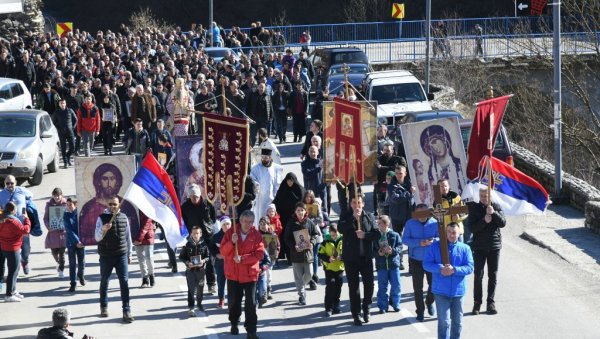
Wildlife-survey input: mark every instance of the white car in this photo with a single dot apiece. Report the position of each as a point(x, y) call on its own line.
point(28, 143)
point(14, 95)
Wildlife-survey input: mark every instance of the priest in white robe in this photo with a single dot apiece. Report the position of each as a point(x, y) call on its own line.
point(267, 176)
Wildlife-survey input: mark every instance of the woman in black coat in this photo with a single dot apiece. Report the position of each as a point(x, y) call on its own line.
point(290, 192)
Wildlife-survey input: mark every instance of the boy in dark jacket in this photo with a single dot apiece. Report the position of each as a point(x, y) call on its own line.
point(387, 260)
point(74, 245)
point(195, 255)
point(330, 253)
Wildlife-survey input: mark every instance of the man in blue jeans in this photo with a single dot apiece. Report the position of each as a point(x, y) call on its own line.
point(449, 281)
point(114, 248)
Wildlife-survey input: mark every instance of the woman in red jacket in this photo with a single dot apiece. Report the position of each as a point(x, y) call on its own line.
point(241, 271)
point(144, 248)
point(11, 239)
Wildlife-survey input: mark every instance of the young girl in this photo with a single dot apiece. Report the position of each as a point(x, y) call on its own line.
point(56, 240)
point(224, 223)
point(277, 226)
point(144, 249)
point(74, 245)
point(269, 230)
point(315, 214)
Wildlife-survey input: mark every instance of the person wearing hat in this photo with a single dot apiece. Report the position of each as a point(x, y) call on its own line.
point(265, 142)
point(198, 211)
point(267, 175)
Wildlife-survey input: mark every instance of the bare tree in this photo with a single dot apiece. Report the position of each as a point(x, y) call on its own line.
point(144, 19)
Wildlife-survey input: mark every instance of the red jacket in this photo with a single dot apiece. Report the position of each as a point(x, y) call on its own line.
point(252, 251)
point(146, 235)
point(88, 119)
point(11, 233)
point(278, 227)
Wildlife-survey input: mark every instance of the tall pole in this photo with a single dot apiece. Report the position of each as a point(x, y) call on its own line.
point(427, 42)
point(557, 101)
point(210, 21)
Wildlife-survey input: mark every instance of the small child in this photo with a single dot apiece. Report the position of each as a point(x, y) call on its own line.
point(144, 248)
point(261, 283)
point(274, 227)
point(387, 260)
point(330, 253)
point(195, 255)
point(224, 223)
point(74, 245)
point(56, 238)
point(315, 214)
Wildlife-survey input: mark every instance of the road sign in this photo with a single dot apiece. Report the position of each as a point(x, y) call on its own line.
point(530, 7)
point(397, 11)
point(63, 28)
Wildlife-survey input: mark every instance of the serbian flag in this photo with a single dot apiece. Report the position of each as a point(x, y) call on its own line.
point(152, 192)
point(485, 124)
point(348, 141)
point(516, 192)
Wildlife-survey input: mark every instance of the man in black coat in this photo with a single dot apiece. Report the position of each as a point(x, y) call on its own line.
point(359, 231)
point(386, 162)
point(65, 120)
point(485, 221)
point(25, 71)
point(198, 211)
point(259, 109)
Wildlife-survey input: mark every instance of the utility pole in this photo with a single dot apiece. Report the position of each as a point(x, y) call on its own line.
point(428, 43)
point(557, 101)
point(210, 21)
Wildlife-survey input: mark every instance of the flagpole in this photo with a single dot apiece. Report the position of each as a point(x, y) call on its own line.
point(490, 150)
point(230, 202)
point(355, 186)
point(346, 81)
point(224, 98)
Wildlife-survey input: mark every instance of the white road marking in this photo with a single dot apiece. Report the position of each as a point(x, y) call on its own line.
point(410, 317)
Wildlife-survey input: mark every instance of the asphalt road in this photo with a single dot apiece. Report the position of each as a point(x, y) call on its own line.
point(539, 295)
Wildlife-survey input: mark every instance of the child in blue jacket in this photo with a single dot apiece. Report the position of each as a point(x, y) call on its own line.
point(387, 261)
point(74, 245)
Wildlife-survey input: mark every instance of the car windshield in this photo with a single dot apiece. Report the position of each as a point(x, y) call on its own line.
point(358, 57)
point(13, 127)
point(397, 93)
point(356, 69)
point(466, 134)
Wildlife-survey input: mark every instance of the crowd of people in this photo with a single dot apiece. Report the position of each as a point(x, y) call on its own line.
point(151, 87)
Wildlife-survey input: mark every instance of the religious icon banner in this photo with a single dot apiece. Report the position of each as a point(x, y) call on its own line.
point(434, 150)
point(226, 154)
point(189, 154)
point(367, 129)
point(97, 179)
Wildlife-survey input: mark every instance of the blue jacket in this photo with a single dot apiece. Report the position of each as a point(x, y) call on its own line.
point(461, 259)
point(72, 228)
point(414, 232)
point(388, 261)
point(265, 263)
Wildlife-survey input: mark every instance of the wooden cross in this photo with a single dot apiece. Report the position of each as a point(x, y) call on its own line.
point(439, 212)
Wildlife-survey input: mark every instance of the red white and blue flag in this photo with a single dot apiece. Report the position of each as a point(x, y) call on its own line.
point(513, 190)
point(152, 192)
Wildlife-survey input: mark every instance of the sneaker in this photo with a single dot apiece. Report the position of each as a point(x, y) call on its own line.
point(103, 312)
point(382, 311)
point(431, 310)
point(396, 309)
point(12, 299)
point(212, 289)
point(312, 286)
point(263, 299)
point(302, 300)
point(327, 313)
point(191, 312)
point(19, 295)
point(151, 279)
point(476, 309)
point(145, 282)
point(61, 274)
point(127, 318)
point(269, 291)
point(72, 288)
point(420, 318)
point(221, 303)
point(491, 309)
point(356, 321)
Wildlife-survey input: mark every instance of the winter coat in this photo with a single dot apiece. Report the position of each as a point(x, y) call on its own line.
point(88, 119)
point(11, 233)
point(54, 332)
point(304, 256)
point(414, 232)
point(461, 258)
point(287, 197)
point(191, 249)
point(72, 228)
point(64, 120)
point(137, 142)
point(486, 236)
point(392, 260)
point(348, 226)
point(449, 200)
point(146, 234)
point(312, 171)
point(202, 215)
point(251, 250)
point(400, 201)
point(327, 249)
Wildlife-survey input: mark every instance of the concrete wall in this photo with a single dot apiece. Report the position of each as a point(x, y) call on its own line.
point(575, 191)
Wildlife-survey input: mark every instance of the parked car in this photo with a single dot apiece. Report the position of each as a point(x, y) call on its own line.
point(218, 53)
point(502, 148)
point(14, 95)
point(356, 73)
point(28, 143)
point(396, 93)
point(325, 58)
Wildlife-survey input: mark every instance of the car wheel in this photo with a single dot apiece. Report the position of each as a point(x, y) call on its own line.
point(53, 166)
point(36, 179)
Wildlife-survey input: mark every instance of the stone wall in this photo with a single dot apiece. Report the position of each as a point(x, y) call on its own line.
point(576, 192)
point(30, 21)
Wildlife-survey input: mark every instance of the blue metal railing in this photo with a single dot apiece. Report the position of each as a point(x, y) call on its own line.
point(416, 29)
point(462, 47)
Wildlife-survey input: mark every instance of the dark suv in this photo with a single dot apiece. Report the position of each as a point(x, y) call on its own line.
point(325, 57)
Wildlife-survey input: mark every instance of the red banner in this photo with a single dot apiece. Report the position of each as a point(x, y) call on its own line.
point(348, 141)
point(485, 124)
point(226, 142)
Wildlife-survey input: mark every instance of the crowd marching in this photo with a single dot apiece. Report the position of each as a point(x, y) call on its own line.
point(147, 88)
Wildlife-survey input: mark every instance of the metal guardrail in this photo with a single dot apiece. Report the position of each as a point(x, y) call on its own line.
point(461, 47)
point(364, 31)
